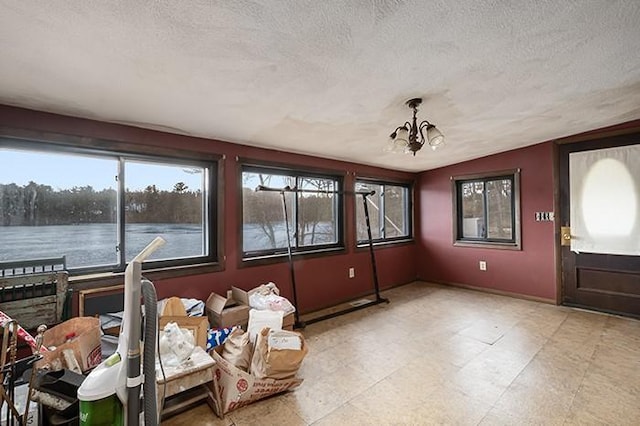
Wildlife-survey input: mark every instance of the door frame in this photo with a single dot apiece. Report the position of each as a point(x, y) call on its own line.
point(604, 133)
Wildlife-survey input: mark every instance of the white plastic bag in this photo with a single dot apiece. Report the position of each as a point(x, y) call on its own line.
point(176, 344)
point(267, 297)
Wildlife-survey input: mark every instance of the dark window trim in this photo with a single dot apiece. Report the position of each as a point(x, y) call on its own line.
point(97, 280)
point(279, 255)
point(516, 242)
point(61, 143)
point(410, 217)
point(100, 146)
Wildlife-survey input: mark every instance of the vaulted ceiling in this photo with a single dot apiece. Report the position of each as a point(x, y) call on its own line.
point(330, 78)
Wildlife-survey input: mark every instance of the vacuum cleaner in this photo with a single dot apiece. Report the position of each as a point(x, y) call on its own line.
point(110, 395)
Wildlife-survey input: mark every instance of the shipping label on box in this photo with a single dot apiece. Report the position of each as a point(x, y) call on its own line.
point(235, 388)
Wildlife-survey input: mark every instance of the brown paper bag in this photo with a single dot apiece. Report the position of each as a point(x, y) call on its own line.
point(274, 363)
point(237, 349)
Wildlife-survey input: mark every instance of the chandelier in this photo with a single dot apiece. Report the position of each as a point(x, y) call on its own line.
point(410, 137)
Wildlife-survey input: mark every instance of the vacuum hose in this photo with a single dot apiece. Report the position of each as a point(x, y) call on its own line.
point(150, 298)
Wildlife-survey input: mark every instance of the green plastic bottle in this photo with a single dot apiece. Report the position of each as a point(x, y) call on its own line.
point(102, 412)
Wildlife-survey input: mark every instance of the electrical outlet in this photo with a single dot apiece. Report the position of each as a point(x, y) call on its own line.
point(483, 265)
point(352, 272)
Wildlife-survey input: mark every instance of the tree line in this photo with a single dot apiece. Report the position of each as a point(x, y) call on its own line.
point(264, 209)
point(37, 205)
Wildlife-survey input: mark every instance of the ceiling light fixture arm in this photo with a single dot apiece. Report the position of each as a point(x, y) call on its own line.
point(424, 125)
point(416, 134)
point(406, 126)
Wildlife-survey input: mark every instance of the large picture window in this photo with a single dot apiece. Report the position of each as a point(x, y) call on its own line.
point(389, 211)
point(314, 212)
point(99, 209)
point(487, 209)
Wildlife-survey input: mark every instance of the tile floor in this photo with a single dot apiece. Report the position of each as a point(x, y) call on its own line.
point(444, 355)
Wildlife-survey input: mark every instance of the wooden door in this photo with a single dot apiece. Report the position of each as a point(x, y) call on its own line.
point(604, 282)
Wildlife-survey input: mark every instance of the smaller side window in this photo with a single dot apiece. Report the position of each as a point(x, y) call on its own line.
point(487, 209)
point(389, 211)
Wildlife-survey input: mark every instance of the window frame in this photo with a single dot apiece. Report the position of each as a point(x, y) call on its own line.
point(277, 254)
point(121, 153)
point(409, 213)
point(484, 242)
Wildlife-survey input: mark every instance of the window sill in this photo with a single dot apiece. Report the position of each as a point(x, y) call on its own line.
point(385, 244)
point(488, 245)
point(283, 257)
point(87, 281)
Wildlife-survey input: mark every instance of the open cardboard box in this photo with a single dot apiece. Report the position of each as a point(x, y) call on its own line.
point(235, 388)
point(234, 309)
point(243, 297)
point(198, 326)
point(228, 311)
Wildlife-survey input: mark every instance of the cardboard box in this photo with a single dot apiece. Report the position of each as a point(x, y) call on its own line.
point(243, 297)
point(228, 311)
point(234, 388)
point(198, 326)
point(81, 334)
point(288, 322)
point(234, 309)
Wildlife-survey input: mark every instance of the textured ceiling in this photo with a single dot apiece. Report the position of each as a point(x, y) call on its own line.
point(330, 78)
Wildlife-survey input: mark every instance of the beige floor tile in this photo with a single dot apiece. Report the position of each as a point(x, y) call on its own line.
point(458, 350)
point(452, 407)
point(390, 405)
point(383, 361)
point(488, 332)
point(499, 418)
point(535, 404)
point(618, 365)
point(270, 411)
point(522, 340)
point(497, 365)
point(347, 414)
point(421, 376)
point(479, 388)
point(445, 355)
point(542, 322)
point(313, 402)
point(584, 418)
point(604, 398)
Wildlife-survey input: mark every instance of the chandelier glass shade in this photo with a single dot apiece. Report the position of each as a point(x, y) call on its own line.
point(411, 136)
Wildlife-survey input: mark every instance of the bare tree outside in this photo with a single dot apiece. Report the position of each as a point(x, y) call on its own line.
point(487, 209)
point(312, 216)
point(388, 211)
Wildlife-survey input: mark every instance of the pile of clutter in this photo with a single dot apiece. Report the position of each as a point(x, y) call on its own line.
point(251, 338)
point(249, 335)
point(259, 359)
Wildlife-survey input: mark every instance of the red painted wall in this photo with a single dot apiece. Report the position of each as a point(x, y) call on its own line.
point(530, 271)
point(321, 281)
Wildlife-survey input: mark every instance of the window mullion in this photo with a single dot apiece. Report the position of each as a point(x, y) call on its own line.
point(381, 215)
point(485, 209)
point(208, 192)
point(121, 214)
point(296, 230)
point(513, 210)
